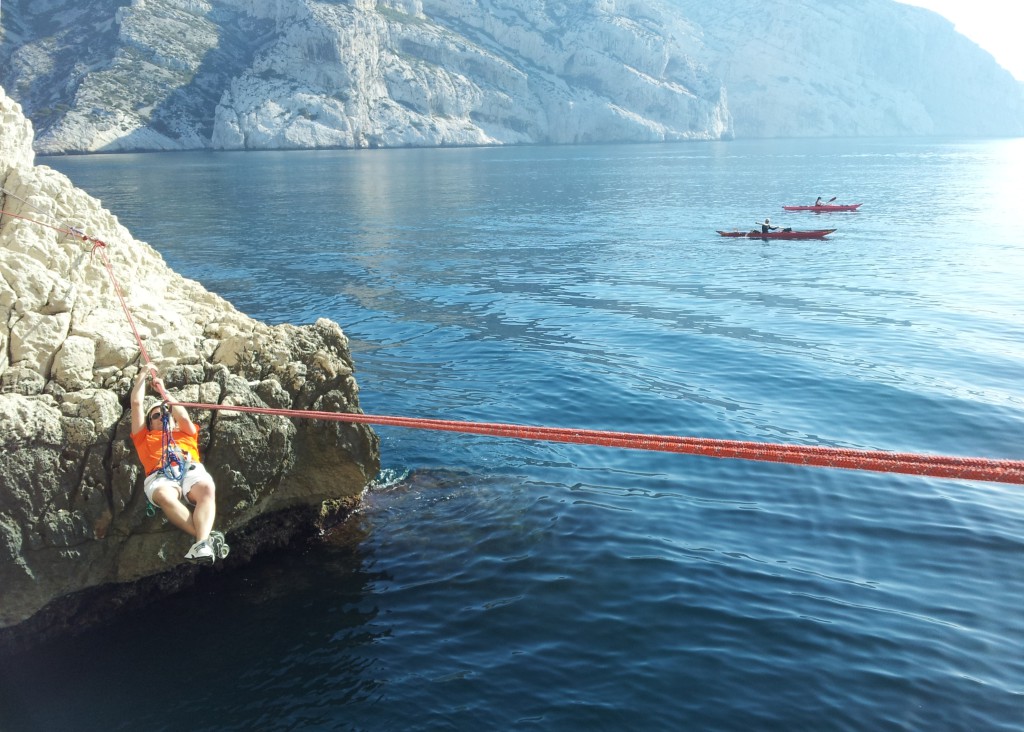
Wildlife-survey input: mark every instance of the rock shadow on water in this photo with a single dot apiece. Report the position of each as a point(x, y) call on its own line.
point(293, 618)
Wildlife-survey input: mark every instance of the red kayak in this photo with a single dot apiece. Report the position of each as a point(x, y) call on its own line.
point(825, 207)
point(781, 234)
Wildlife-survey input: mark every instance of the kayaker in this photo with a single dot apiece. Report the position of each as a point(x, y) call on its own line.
point(767, 226)
point(817, 201)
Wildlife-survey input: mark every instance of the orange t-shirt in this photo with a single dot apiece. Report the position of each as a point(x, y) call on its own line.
point(149, 444)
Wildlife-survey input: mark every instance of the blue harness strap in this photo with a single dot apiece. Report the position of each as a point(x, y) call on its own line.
point(174, 463)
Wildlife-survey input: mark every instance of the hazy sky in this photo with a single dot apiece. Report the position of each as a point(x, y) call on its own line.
point(995, 25)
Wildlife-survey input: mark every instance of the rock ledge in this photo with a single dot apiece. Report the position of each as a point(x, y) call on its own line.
point(75, 539)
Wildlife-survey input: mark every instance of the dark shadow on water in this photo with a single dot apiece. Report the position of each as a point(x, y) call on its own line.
point(237, 651)
point(281, 643)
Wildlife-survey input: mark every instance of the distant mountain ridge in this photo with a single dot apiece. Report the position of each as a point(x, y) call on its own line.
point(119, 75)
point(867, 68)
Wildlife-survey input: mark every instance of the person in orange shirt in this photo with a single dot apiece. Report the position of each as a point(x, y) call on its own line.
point(167, 443)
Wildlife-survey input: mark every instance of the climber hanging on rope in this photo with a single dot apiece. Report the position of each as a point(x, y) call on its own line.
point(166, 441)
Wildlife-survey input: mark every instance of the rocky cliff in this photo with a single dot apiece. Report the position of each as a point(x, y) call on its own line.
point(172, 74)
point(115, 75)
point(110, 75)
point(870, 68)
point(74, 533)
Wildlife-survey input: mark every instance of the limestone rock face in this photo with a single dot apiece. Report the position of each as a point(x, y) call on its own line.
point(72, 513)
point(16, 140)
point(870, 68)
point(251, 74)
point(116, 75)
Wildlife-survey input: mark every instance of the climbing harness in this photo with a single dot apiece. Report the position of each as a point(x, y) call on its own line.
point(174, 462)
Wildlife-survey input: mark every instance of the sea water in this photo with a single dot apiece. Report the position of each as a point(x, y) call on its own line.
point(492, 583)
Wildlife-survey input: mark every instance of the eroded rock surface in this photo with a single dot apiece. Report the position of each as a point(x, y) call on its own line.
point(72, 513)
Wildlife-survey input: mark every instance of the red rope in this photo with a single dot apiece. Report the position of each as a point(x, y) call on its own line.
point(61, 229)
point(100, 246)
point(938, 466)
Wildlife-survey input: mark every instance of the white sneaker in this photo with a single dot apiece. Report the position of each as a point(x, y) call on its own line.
point(219, 546)
point(200, 552)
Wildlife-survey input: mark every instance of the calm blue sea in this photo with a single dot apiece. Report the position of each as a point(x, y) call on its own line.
point(492, 584)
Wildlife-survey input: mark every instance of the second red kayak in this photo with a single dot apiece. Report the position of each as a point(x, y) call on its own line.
point(822, 208)
point(807, 234)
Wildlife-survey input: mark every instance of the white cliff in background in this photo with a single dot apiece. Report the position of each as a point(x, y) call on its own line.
point(871, 68)
point(99, 75)
point(234, 74)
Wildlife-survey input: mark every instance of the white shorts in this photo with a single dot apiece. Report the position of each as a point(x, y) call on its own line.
point(195, 473)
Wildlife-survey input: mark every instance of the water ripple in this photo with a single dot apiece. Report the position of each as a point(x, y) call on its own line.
point(490, 583)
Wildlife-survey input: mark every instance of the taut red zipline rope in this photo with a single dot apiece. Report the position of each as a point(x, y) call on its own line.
point(938, 466)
